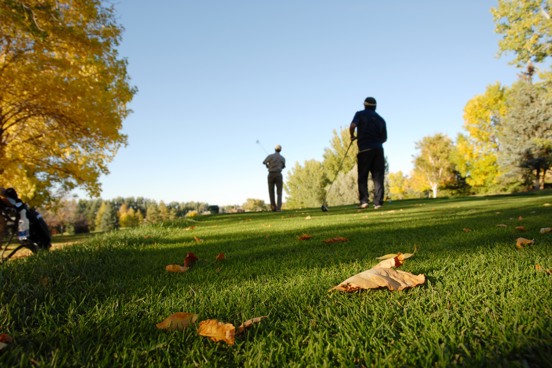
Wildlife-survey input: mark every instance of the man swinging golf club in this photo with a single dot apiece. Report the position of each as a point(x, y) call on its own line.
point(275, 163)
point(371, 134)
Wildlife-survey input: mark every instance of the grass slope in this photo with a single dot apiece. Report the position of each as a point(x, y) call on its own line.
point(96, 304)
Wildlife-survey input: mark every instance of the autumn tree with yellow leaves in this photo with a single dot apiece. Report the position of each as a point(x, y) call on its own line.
point(64, 95)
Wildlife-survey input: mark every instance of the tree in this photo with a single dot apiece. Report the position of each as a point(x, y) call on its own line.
point(252, 204)
point(64, 95)
point(305, 185)
point(526, 136)
point(433, 162)
point(526, 28)
point(106, 218)
point(476, 153)
point(152, 213)
point(344, 189)
point(398, 185)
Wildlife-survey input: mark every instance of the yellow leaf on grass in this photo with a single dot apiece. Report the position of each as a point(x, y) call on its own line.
point(249, 323)
point(538, 267)
point(466, 230)
point(176, 268)
point(177, 321)
point(546, 230)
point(217, 331)
point(522, 242)
point(502, 225)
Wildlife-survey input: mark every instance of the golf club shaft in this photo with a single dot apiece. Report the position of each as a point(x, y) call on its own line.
point(338, 171)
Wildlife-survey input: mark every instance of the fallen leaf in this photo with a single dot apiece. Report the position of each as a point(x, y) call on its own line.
point(176, 268)
point(307, 218)
point(382, 275)
point(520, 218)
point(220, 257)
point(305, 237)
point(217, 331)
point(521, 228)
point(5, 338)
point(521, 242)
point(198, 240)
point(249, 323)
point(502, 225)
point(466, 230)
point(546, 230)
point(539, 268)
point(337, 239)
point(177, 321)
point(190, 228)
point(190, 259)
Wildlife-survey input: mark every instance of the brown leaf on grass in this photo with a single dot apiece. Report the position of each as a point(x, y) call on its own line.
point(249, 323)
point(176, 268)
point(190, 259)
point(382, 275)
point(466, 230)
point(520, 218)
point(220, 257)
point(337, 239)
point(502, 225)
point(539, 268)
point(198, 240)
point(521, 228)
point(546, 230)
point(522, 242)
point(5, 338)
point(217, 331)
point(190, 228)
point(177, 321)
point(305, 237)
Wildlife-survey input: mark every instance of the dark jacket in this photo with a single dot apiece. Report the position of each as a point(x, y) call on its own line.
point(371, 130)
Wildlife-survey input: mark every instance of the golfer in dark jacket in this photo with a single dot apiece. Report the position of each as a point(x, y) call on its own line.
point(275, 163)
point(371, 134)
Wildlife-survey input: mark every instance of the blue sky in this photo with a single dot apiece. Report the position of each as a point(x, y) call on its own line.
point(215, 76)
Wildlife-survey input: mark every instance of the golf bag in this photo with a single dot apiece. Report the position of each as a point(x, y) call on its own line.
point(38, 238)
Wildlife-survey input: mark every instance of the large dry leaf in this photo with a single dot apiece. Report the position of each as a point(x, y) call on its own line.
point(249, 323)
point(220, 257)
point(382, 275)
point(177, 321)
point(546, 230)
point(217, 331)
point(538, 267)
point(375, 278)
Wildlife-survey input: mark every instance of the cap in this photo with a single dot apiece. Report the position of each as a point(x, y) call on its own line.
point(370, 101)
point(278, 148)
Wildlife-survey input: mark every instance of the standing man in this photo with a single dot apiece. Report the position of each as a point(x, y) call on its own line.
point(371, 134)
point(275, 163)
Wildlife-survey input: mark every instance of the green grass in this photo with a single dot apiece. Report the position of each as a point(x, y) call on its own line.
point(95, 304)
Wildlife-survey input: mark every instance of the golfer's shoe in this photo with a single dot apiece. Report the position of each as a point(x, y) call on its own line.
point(377, 207)
point(363, 206)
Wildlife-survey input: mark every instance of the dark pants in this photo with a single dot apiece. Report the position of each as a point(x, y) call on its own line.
point(275, 179)
point(372, 161)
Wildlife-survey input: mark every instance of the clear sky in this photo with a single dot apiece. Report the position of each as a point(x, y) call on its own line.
point(216, 76)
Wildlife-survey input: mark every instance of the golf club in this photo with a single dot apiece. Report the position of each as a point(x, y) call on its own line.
point(324, 207)
point(260, 145)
